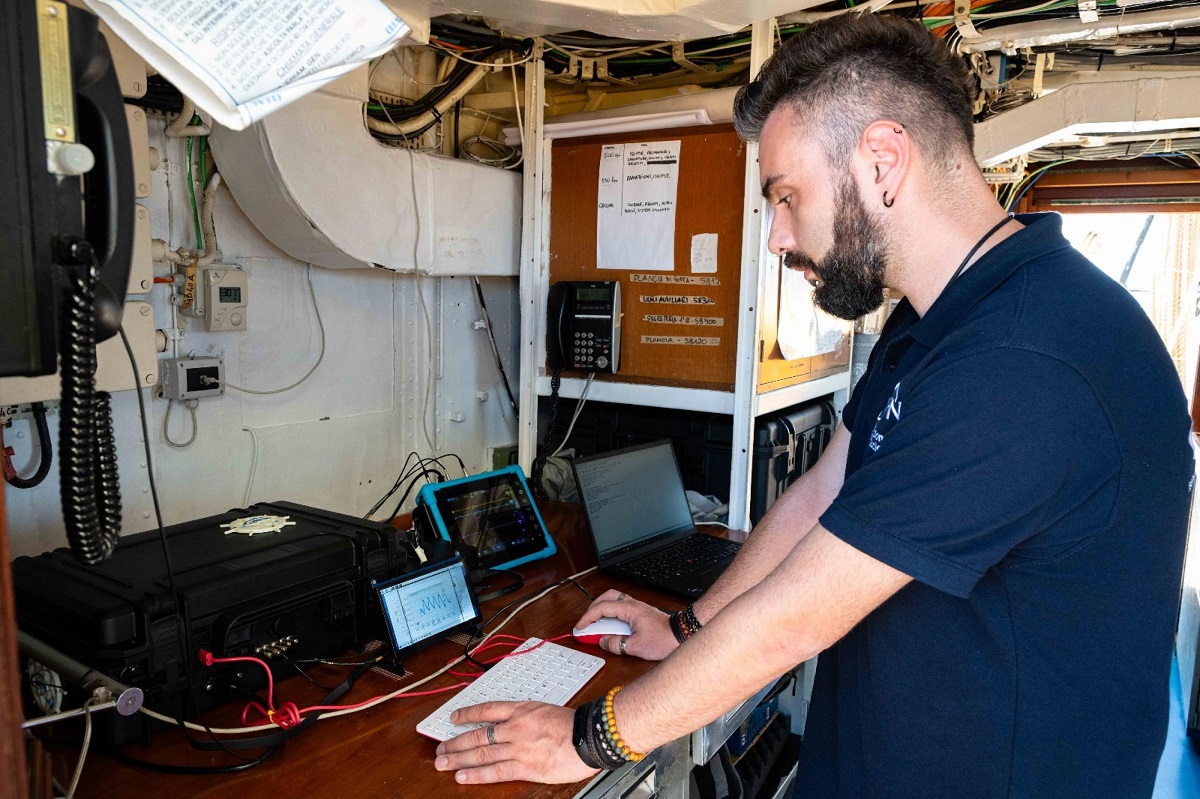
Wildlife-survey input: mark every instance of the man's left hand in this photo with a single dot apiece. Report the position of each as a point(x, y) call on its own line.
point(532, 743)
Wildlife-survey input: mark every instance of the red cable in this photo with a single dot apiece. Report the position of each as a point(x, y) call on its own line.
point(381, 696)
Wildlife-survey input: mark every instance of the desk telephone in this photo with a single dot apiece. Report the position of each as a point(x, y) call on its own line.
point(584, 326)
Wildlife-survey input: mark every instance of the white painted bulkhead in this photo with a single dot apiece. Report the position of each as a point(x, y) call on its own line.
point(391, 381)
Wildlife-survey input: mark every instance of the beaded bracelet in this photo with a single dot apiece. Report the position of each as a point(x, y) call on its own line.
point(611, 728)
point(684, 624)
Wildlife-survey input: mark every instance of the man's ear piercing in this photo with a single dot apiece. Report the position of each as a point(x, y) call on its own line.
point(886, 203)
point(897, 130)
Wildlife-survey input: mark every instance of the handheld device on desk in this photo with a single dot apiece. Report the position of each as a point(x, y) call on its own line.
point(490, 517)
point(427, 605)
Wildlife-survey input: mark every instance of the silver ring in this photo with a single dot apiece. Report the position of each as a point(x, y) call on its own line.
point(491, 733)
point(624, 639)
point(622, 596)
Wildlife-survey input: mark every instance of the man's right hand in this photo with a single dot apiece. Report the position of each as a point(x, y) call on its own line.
point(651, 637)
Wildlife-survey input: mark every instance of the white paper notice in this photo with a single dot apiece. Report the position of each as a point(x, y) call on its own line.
point(239, 60)
point(804, 329)
point(635, 212)
point(704, 253)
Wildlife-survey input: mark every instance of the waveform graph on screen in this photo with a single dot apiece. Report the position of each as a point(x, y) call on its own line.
point(432, 609)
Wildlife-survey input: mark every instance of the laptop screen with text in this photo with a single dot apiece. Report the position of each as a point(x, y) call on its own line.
point(633, 497)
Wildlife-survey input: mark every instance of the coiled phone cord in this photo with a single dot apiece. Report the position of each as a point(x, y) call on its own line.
point(90, 490)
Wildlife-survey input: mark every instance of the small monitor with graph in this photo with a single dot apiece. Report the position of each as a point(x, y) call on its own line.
point(428, 605)
point(489, 517)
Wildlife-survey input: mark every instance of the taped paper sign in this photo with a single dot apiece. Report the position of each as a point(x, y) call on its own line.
point(686, 341)
point(677, 280)
point(635, 211)
point(698, 321)
point(704, 252)
point(804, 329)
point(677, 299)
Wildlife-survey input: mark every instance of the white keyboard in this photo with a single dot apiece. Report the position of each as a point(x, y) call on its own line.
point(550, 673)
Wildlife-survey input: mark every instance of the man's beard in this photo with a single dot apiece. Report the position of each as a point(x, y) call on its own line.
point(852, 272)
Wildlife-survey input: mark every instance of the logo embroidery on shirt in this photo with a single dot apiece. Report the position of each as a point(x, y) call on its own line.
point(891, 411)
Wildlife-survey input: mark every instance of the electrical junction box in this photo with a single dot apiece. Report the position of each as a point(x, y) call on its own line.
point(225, 298)
point(189, 378)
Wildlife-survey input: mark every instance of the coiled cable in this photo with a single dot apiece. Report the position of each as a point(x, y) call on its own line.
point(89, 486)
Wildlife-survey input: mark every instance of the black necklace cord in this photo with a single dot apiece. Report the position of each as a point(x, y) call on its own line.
point(982, 241)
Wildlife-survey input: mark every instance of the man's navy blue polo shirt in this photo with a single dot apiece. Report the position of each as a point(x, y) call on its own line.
point(1022, 452)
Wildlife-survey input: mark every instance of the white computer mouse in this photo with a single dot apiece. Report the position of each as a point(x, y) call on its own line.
point(600, 628)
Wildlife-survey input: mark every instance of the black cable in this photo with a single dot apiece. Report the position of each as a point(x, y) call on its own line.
point(539, 463)
point(47, 451)
point(408, 490)
point(180, 615)
point(487, 320)
point(581, 588)
point(471, 641)
point(306, 675)
point(517, 583)
point(404, 474)
point(91, 498)
point(457, 116)
point(171, 768)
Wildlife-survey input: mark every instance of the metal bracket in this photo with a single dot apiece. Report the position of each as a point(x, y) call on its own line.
point(962, 20)
point(678, 56)
point(602, 73)
point(1043, 63)
point(1088, 12)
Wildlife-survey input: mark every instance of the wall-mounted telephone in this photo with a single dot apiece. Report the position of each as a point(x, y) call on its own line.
point(66, 239)
point(584, 326)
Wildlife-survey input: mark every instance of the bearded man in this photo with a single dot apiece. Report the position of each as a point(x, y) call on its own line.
point(987, 557)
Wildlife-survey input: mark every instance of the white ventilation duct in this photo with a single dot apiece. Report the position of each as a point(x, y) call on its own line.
point(1145, 105)
point(671, 20)
point(319, 187)
point(1014, 38)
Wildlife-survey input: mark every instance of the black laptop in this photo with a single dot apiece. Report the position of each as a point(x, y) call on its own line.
point(641, 526)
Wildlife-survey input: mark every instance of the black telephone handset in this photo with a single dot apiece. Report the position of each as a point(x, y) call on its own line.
point(70, 195)
point(583, 330)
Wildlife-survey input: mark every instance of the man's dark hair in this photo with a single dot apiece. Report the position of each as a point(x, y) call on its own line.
point(844, 73)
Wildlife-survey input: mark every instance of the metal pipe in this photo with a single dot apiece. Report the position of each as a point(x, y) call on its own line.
point(128, 700)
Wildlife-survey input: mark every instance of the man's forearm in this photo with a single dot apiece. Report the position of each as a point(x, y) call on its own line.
point(822, 589)
point(785, 524)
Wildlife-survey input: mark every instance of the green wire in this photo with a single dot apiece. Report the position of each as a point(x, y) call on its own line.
point(192, 193)
point(1031, 176)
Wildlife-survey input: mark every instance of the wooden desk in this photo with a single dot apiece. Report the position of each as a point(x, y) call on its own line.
point(378, 752)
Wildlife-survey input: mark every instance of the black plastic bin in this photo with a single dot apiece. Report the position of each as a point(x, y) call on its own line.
point(787, 443)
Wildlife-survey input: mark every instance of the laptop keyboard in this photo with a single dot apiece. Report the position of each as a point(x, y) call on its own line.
point(693, 555)
point(550, 673)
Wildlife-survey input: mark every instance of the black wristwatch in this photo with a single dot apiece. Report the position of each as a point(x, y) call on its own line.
point(582, 740)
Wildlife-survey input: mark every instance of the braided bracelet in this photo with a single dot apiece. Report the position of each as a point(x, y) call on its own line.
point(601, 745)
point(676, 627)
